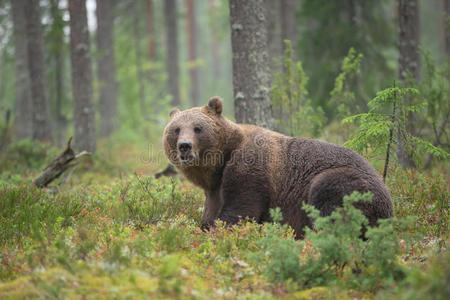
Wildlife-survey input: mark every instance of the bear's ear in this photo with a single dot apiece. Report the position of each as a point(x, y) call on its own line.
point(215, 104)
point(173, 112)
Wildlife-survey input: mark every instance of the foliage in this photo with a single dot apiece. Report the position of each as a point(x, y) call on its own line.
point(337, 251)
point(425, 196)
point(431, 283)
point(333, 252)
point(330, 29)
point(379, 130)
point(294, 112)
point(342, 96)
point(435, 92)
point(26, 154)
point(137, 236)
point(139, 202)
point(279, 252)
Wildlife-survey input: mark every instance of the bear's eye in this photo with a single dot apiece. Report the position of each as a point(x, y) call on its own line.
point(197, 130)
point(177, 131)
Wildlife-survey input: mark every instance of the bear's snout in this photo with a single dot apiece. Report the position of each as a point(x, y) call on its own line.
point(184, 147)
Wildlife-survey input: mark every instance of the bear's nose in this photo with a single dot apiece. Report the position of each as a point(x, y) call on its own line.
point(184, 147)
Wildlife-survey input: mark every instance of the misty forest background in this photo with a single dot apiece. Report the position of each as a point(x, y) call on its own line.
point(370, 75)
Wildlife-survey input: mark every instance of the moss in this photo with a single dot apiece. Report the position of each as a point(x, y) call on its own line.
point(21, 288)
point(325, 293)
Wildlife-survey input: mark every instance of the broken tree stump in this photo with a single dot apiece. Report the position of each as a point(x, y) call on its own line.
point(168, 171)
point(59, 165)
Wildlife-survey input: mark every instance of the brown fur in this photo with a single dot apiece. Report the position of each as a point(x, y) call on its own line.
point(245, 170)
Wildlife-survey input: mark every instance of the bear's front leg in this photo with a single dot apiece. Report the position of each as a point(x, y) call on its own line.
point(244, 196)
point(212, 207)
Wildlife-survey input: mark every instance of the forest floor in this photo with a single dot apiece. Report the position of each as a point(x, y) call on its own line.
point(114, 231)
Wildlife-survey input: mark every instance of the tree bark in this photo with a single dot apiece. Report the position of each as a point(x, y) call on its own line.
point(251, 77)
point(445, 28)
point(409, 65)
point(58, 60)
point(409, 59)
point(274, 39)
point(170, 13)
point(84, 113)
point(288, 23)
point(23, 122)
point(192, 52)
point(215, 48)
point(106, 67)
point(150, 17)
point(42, 130)
point(138, 53)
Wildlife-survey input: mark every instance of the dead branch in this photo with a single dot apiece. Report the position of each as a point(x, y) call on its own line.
point(169, 171)
point(59, 165)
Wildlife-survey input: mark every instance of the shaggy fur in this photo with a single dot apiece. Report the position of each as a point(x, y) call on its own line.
point(245, 170)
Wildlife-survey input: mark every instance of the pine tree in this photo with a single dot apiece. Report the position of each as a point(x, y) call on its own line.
point(192, 52)
point(251, 76)
point(408, 65)
point(106, 67)
point(170, 16)
point(42, 129)
point(84, 113)
point(23, 122)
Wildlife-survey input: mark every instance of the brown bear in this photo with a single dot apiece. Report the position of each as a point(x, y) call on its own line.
point(245, 170)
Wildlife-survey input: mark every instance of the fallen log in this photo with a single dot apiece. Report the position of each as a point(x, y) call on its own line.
point(59, 165)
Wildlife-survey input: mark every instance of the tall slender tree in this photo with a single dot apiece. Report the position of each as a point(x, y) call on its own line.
point(446, 28)
point(408, 64)
point(139, 58)
point(288, 22)
point(274, 39)
point(251, 77)
point(42, 129)
point(409, 59)
point(84, 113)
point(23, 121)
point(106, 67)
point(192, 51)
point(215, 49)
point(57, 54)
point(150, 18)
point(170, 16)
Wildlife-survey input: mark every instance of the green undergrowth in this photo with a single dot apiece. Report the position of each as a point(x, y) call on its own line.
point(117, 232)
point(140, 237)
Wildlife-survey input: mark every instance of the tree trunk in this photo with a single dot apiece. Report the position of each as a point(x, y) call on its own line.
point(251, 78)
point(170, 13)
point(274, 40)
point(138, 53)
point(42, 130)
point(445, 28)
point(23, 122)
point(215, 48)
point(106, 67)
point(409, 65)
point(192, 51)
point(409, 60)
point(289, 23)
point(57, 55)
point(84, 113)
point(150, 17)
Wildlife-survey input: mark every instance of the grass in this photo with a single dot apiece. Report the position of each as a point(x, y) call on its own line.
point(116, 232)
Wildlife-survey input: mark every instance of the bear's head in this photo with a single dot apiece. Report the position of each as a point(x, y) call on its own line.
point(197, 136)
